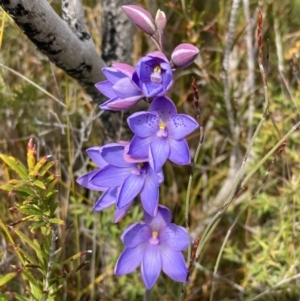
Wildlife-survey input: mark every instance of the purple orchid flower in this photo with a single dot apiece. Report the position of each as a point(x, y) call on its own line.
point(129, 178)
point(121, 90)
point(110, 195)
point(141, 18)
point(153, 74)
point(156, 244)
point(160, 134)
point(184, 55)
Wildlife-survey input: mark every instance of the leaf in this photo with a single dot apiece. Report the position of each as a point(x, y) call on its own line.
point(34, 291)
point(56, 221)
point(47, 167)
point(39, 184)
point(15, 165)
point(7, 187)
point(37, 225)
point(6, 278)
point(39, 165)
point(35, 247)
point(28, 209)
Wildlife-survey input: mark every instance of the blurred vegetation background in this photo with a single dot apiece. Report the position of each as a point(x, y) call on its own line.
point(262, 253)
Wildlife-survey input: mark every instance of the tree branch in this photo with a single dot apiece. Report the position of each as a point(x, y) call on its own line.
point(74, 53)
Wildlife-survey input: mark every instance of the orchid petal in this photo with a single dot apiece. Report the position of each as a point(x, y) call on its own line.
point(133, 236)
point(179, 152)
point(150, 193)
point(143, 124)
point(139, 147)
point(111, 176)
point(181, 125)
point(114, 155)
point(85, 181)
point(151, 89)
point(130, 189)
point(124, 68)
point(130, 259)
point(117, 104)
point(106, 88)
point(95, 154)
point(158, 152)
point(163, 107)
point(121, 212)
point(151, 265)
point(107, 199)
point(124, 88)
point(158, 55)
point(175, 237)
point(112, 74)
point(160, 221)
point(173, 264)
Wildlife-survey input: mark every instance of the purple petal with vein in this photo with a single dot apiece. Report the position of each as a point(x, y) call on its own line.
point(151, 265)
point(181, 125)
point(179, 152)
point(159, 152)
point(143, 124)
point(163, 107)
point(107, 199)
point(111, 176)
point(173, 264)
point(139, 147)
point(133, 236)
point(175, 236)
point(131, 187)
point(130, 259)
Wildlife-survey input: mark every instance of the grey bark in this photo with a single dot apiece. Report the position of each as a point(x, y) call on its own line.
point(74, 53)
point(117, 44)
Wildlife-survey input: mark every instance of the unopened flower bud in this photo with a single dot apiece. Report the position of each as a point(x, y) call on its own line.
point(141, 18)
point(183, 55)
point(160, 20)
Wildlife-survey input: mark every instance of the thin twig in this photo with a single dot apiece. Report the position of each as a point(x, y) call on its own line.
point(251, 68)
point(228, 47)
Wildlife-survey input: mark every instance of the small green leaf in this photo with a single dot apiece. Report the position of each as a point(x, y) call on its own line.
point(39, 165)
point(47, 167)
point(39, 184)
point(35, 247)
point(15, 165)
point(56, 221)
point(28, 209)
point(6, 278)
point(7, 187)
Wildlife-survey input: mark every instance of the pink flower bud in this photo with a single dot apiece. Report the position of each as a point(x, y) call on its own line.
point(183, 55)
point(141, 18)
point(160, 20)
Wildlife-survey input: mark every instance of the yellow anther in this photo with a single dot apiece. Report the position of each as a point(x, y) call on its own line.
point(154, 234)
point(140, 165)
point(157, 69)
point(162, 126)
